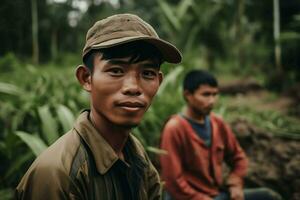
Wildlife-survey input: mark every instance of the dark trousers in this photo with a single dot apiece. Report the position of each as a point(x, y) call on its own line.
point(253, 194)
point(249, 194)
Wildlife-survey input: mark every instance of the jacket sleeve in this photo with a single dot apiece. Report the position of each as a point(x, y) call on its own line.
point(236, 158)
point(171, 165)
point(154, 184)
point(41, 183)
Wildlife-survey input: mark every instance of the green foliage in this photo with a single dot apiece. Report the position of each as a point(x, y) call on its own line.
point(290, 36)
point(9, 63)
point(10, 89)
point(269, 120)
point(65, 117)
point(6, 194)
point(34, 142)
point(49, 125)
point(43, 102)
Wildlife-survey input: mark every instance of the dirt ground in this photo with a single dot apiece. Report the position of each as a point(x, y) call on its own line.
point(248, 91)
point(274, 161)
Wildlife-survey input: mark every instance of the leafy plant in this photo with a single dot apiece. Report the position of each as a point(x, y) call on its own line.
point(34, 142)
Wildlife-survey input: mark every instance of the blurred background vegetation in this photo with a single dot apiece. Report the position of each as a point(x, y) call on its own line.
point(243, 42)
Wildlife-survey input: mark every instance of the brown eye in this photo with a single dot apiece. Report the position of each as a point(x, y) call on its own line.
point(149, 74)
point(116, 71)
point(206, 94)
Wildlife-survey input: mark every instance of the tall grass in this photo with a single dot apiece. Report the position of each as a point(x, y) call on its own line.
point(37, 105)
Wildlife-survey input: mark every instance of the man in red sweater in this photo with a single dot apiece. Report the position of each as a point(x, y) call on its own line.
point(198, 142)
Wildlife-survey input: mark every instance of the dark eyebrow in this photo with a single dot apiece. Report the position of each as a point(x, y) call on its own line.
point(118, 62)
point(151, 64)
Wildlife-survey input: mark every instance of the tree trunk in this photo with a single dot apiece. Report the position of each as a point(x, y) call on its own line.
point(35, 36)
point(239, 34)
point(210, 59)
point(54, 44)
point(277, 36)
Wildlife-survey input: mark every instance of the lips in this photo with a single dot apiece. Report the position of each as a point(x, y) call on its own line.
point(132, 105)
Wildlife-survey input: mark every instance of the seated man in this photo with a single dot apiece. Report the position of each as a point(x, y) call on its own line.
point(198, 142)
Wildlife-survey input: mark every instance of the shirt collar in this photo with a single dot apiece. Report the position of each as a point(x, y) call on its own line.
point(103, 154)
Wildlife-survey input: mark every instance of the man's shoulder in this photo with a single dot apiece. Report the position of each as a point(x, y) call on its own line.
point(138, 145)
point(51, 170)
point(174, 122)
point(214, 117)
point(59, 155)
point(221, 125)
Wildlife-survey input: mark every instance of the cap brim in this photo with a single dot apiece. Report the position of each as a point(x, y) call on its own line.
point(168, 51)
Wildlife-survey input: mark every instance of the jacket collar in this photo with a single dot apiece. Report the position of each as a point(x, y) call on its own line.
point(103, 154)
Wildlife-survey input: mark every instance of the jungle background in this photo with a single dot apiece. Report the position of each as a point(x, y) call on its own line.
point(252, 46)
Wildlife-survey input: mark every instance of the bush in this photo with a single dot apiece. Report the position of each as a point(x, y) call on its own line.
point(9, 63)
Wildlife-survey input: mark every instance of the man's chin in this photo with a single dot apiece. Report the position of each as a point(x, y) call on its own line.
point(129, 126)
point(207, 112)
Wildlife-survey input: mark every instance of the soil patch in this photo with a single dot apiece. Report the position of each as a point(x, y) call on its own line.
point(274, 161)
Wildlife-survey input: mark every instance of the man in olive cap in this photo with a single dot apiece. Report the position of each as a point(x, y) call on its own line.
point(100, 158)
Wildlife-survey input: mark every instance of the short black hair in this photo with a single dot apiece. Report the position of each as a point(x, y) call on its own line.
point(137, 51)
point(195, 78)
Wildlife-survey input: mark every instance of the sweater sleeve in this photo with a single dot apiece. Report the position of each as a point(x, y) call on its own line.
point(236, 158)
point(171, 165)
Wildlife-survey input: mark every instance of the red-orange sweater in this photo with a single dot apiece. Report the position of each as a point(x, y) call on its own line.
point(192, 170)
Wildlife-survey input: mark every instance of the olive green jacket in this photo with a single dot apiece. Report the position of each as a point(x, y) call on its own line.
point(82, 165)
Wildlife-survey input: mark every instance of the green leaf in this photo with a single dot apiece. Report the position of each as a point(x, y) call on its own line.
point(6, 194)
point(183, 8)
point(289, 36)
point(297, 17)
point(49, 125)
point(35, 143)
point(169, 14)
point(65, 117)
point(11, 89)
point(2, 147)
point(157, 150)
point(138, 134)
point(17, 164)
point(191, 39)
point(170, 78)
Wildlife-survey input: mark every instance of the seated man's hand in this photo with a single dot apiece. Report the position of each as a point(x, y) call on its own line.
point(236, 193)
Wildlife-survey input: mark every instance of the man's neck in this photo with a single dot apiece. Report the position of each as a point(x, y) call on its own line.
point(115, 135)
point(197, 117)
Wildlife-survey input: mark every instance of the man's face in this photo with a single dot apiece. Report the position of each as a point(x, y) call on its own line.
point(203, 99)
point(121, 92)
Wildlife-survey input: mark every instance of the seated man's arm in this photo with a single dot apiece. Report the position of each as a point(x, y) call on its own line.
point(236, 158)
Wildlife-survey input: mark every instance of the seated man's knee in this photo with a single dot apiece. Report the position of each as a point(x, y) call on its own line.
point(261, 194)
point(271, 193)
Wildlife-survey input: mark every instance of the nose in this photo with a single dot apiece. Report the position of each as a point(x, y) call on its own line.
point(212, 100)
point(131, 85)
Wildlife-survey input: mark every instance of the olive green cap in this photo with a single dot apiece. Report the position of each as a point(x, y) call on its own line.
point(123, 28)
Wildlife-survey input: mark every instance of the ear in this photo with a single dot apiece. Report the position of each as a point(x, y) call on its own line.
point(160, 77)
point(84, 77)
point(187, 95)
